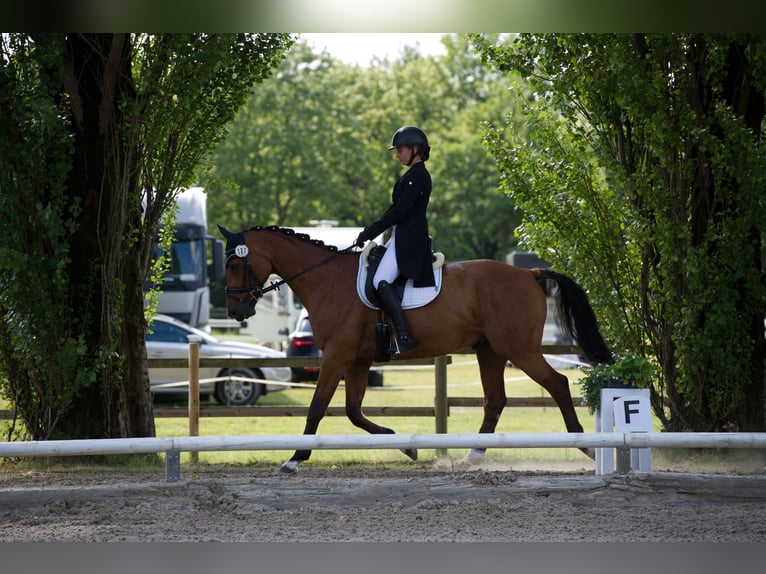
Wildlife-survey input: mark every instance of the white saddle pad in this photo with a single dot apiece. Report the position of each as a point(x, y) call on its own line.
point(413, 296)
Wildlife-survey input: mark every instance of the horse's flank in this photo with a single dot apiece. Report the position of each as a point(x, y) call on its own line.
point(470, 289)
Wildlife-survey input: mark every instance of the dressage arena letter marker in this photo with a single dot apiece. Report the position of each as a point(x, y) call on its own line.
point(632, 414)
point(623, 410)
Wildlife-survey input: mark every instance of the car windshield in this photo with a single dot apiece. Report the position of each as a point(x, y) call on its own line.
point(305, 326)
point(187, 262)
point(166, 332)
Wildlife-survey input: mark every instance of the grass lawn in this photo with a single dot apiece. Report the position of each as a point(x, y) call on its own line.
point(414, 386)
point(402, 386)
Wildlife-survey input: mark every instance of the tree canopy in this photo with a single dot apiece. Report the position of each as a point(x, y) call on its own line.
point(311, 145)
point(92, 125)
point(642, 174)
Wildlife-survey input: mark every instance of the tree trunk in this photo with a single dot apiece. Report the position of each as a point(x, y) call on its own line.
point(106, 294)
point(138, 399)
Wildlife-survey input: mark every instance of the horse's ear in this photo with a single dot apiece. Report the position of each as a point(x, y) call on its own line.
point(225, 232)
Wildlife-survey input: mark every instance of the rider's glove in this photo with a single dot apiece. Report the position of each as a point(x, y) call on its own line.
point(361, 238)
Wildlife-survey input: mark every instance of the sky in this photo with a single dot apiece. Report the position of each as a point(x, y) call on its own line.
point(355, 48)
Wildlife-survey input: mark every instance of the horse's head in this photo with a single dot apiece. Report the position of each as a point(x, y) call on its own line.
point(243, 286)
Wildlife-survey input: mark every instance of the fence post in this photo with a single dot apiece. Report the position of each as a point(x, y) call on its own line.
point(172, 465)
point(194, 341)
point(441, 407)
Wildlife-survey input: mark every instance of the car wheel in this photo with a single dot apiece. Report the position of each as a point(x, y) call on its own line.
point(375, 379)
point(236, 393)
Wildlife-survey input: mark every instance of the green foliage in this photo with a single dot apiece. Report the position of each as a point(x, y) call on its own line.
point(570, 216)
point(472, 219)
point(175, 127)
point(161, 264)
point(311, 145)
point(274, 161)
point(641, 176)
point(627, 370)
point(192, 85)
point(90, 122)
point(40, 341)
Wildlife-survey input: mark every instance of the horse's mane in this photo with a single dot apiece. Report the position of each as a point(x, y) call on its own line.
point(292, 233)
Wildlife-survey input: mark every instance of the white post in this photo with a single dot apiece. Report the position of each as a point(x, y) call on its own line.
point(624, 409)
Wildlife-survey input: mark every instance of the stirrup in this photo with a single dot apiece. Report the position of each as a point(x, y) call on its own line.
point(402, 345)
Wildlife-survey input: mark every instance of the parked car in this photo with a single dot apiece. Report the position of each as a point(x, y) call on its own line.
point(168, 338)
point(300, 343)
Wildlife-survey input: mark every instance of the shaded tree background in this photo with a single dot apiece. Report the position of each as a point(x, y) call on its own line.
point(311, 144)
point(642, 175)
point(635, 161)
point(90, 121)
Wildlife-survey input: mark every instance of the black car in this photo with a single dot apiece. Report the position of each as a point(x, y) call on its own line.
point(300, 343)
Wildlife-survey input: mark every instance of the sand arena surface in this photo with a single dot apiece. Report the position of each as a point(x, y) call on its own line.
point(381, 505)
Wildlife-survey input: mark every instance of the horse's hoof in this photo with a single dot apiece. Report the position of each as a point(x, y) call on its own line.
point(472, 459)
point(443, 464)
point(463, 464)
point(589, 452)
point(289, 467)
point(411, 452)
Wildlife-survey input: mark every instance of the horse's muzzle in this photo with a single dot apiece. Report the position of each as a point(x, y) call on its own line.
point(242, 310)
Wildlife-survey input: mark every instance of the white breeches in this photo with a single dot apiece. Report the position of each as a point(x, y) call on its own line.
point(388, 270)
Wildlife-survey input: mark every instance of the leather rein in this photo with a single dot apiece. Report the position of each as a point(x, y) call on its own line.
point(254, 294)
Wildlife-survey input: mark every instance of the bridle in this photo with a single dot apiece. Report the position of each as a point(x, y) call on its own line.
point(250, 294)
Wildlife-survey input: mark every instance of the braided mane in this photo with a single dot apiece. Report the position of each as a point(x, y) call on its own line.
point(292, 233)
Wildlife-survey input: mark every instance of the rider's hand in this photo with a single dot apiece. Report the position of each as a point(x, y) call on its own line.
point(361, 239)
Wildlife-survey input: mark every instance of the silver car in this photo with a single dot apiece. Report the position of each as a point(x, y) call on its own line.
point(168, 338)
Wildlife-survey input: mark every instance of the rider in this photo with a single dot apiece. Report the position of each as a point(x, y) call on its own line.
point(408, 249)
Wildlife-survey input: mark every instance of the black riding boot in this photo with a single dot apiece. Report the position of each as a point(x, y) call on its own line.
point(390, 303)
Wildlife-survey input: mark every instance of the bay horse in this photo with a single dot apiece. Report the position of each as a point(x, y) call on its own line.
point(495, 308)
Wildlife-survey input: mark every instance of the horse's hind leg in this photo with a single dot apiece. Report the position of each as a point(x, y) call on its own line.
point(329, 377)
point(557, 385)
point(356, 385)
point(492, 370)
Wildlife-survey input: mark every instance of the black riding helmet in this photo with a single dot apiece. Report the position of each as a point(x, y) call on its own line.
point(411, 136)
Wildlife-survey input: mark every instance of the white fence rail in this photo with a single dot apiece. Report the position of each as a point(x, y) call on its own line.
point(173, 446)
point(382, 441)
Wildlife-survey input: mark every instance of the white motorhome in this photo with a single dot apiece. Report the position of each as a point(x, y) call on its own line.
point(185, 292)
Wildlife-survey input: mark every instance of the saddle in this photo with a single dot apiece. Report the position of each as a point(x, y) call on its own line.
point(409, 295)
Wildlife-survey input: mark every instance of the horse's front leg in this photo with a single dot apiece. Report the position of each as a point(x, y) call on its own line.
point(356, 385)
point(329, 376)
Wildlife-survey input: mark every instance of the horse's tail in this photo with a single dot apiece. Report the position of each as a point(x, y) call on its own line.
point(576, 316)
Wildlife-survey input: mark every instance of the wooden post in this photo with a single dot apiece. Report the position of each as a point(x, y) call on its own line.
point(194, 391)
point(441, 407)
